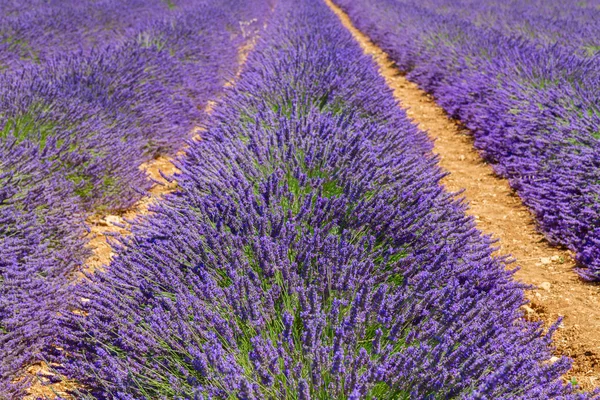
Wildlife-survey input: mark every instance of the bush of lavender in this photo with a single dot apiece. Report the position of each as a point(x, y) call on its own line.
point(35, 31)
point(124, 103)
point(310, 253)
point(41, 231)
point(524, 77)
point(74, 131)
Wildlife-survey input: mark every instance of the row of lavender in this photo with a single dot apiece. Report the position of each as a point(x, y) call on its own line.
point(125, 101)
point(571, 24)
point(75, 126)
point(309, 253)
point(528, 88)
point(34, 31)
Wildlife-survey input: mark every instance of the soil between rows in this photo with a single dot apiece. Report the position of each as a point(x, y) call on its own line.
point(499, 212)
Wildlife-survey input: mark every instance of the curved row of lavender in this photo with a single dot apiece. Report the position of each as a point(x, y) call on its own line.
point(310, 252)
point(35, 31)
point(571, 24)
point(123, 104)
point(529, 95)
point(74, 131)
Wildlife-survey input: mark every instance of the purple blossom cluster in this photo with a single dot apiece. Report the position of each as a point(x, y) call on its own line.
point(524, 77)
point(76, 125)
point(310, 253)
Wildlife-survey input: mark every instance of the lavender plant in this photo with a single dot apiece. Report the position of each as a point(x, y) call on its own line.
point(311, 252)
point(34, 31)
point(41, 231)
point(523, 77)
point(74, 131)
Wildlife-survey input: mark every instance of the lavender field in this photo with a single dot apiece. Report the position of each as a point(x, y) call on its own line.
point(524, 78)
point(310, 249)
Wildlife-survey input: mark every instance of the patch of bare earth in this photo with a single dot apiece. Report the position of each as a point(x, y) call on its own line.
point(103, 226)
point(499, 212)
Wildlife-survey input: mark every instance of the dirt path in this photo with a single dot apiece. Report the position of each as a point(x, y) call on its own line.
point(499, 212)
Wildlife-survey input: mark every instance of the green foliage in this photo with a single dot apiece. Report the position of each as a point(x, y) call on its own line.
point(170, 4)
point(23, 48)
point(591, 50)
point(30, 125)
